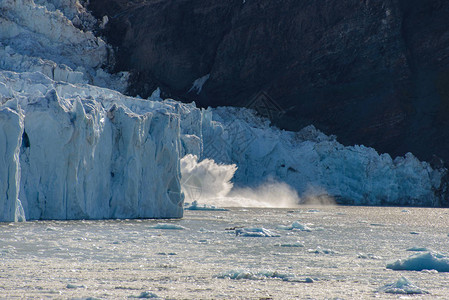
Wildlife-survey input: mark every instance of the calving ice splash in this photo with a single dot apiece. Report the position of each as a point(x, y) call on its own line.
point(72, 146)
point(210, 183)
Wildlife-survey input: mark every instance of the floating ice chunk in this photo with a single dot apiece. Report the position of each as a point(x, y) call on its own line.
point(167, 226)
point(368, 256)
point(145, 295)
point(245, 274)
point(419, 249)
point(305, 280)
point(196, 206)
point(295, 226)
point(74, 286)
point(320, 250)
point(291, 245)
point(255, 232)
point(424, 261)
point(402, 286)
point(237, 274)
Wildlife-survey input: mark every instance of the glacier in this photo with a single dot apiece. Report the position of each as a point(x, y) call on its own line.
point(316, 166)
point(88, 157)
point(73, 146)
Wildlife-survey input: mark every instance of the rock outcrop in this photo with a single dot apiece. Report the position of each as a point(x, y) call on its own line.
point(372, 72)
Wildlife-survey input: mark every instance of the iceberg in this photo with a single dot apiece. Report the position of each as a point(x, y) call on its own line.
point(424, 261)
point(255, 232)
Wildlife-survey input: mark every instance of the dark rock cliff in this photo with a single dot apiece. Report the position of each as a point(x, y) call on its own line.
point(371, 72)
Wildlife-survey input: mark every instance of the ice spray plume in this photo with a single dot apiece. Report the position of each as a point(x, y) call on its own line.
point(206, 179)
point(210, 183)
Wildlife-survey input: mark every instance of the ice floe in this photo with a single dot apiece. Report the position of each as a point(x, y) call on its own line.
point(262, 275)
point(255, 232)
point(295, 226)
point(320, 250)
point(167, 226)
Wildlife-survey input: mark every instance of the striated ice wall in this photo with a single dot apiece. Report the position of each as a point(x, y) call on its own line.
point(85, 152)
point(11, 127)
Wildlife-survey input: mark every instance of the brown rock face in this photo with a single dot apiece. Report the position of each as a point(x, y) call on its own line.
point(371, 72)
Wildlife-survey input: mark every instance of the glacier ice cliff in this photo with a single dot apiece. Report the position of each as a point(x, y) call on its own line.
point(11, 127)
point(81, 152)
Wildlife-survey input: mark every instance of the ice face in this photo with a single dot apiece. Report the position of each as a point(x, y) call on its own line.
point(88, 158)
point(11, 127)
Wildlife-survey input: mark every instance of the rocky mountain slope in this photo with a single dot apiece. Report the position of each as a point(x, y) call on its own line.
point(371, 72)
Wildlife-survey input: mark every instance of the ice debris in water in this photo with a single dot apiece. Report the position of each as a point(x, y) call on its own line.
point(167, 226)
point(424, 261)
point(291, 245)
point(295, 226)
point(74, 286)
point(145, 295)
point(402, 286)
point(245, 274)
point(320, 250)
point(419, 249)
point(196, 206)
point(255, 232)
point(368, 256)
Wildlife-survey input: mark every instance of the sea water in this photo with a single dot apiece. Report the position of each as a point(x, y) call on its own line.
point(313, 253)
